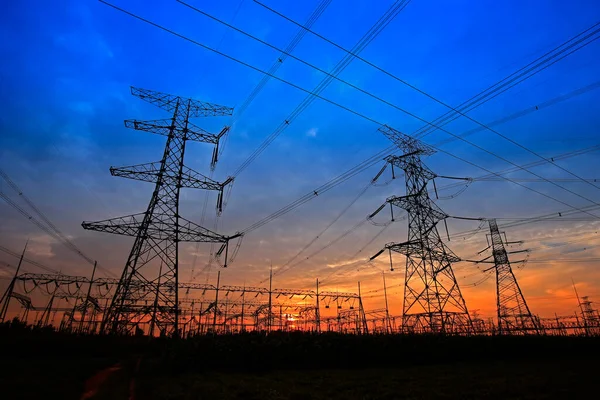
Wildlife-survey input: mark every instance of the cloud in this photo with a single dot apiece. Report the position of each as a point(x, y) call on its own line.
point(312, 132)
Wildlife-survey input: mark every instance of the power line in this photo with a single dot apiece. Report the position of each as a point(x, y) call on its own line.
point(316, 14)
point(419, 90)
point(541, 218)
point(373, 32)
point(548, 59)
point(49, 227)
point(337, 104)
point(329, 225)
point(30, 261)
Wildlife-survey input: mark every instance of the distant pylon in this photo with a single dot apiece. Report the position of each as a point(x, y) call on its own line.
point(591, 318)
point(432, 299)
point(144, 295)
point(514, 316)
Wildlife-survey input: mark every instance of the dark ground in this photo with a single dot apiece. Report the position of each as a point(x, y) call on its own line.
point(41, 364)
point(559, 379)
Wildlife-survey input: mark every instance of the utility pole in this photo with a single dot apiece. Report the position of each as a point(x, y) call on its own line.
point(433, 301)
point(159, 230)
point(243, 304)
point(155, 304)
point(214, 324)
point(5, 301)
point(514, 316)
point(270, 315)
point(388, 327)
point(200, 315)
point(585, 327)
point(362, 312)
point(87, 298)
point(280, 318)
point(318, 311)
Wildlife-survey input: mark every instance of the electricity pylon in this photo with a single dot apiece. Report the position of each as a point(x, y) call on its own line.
point(433, 301)
point(514, 316)
point(591, 318)
point(154, 257)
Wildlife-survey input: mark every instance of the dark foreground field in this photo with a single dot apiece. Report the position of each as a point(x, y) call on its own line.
point(49, 365)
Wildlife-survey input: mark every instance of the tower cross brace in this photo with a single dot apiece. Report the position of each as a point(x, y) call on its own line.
point(154, 256)
point(514, 316)
point(432, 301)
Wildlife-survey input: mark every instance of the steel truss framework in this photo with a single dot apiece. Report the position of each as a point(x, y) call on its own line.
point(229, 309)
point(590, 316)
point(514, 316)
point(433, 301)
point(151, 270)
point(82, 301)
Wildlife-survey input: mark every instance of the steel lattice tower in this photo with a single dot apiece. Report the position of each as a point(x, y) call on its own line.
point(514, 316)
point(148, 288)
point(591, 318)
point(433, 301)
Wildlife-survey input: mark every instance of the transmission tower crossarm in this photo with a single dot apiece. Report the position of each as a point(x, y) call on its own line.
point(159, 230)
point(165, 127)
point(405, 142)
point(150, 172)
point(169, 102)
point(408, 202)
point(128, 225)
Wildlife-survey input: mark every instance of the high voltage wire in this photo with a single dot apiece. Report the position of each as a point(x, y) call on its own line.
point(318, 235)
point(452, 109)
point(529, 165)
point(578, 152)
point(351, 110)
point(270, 218)
point(328, 245)
point(537, 107)
point(524, 73)
point(377, 158)
point(316, 14)
point(373, 32)
point(27, 260)
point(46, 225)
point(358, 168)
point(349, 267)
point(393, 105)
point(368, 118)
point(312, 195)
point(546, 217)
point(520, 222)
point(287, 53)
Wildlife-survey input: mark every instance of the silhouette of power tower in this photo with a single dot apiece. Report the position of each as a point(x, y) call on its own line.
point(514, 316)
point(433, 301)
point(591, 317)
point(148, 288)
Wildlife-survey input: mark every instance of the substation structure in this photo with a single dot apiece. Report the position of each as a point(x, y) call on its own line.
point(78, 304)
point(150, 300)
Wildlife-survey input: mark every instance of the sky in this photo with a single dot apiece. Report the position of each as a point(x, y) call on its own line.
point(65, 83)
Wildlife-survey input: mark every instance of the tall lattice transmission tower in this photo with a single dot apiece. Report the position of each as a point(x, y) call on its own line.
point(147, 294)
point(591, 317)
point(514, 316)
point(433, 301)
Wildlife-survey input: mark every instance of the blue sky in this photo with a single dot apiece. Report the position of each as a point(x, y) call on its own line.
point(65, 83)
